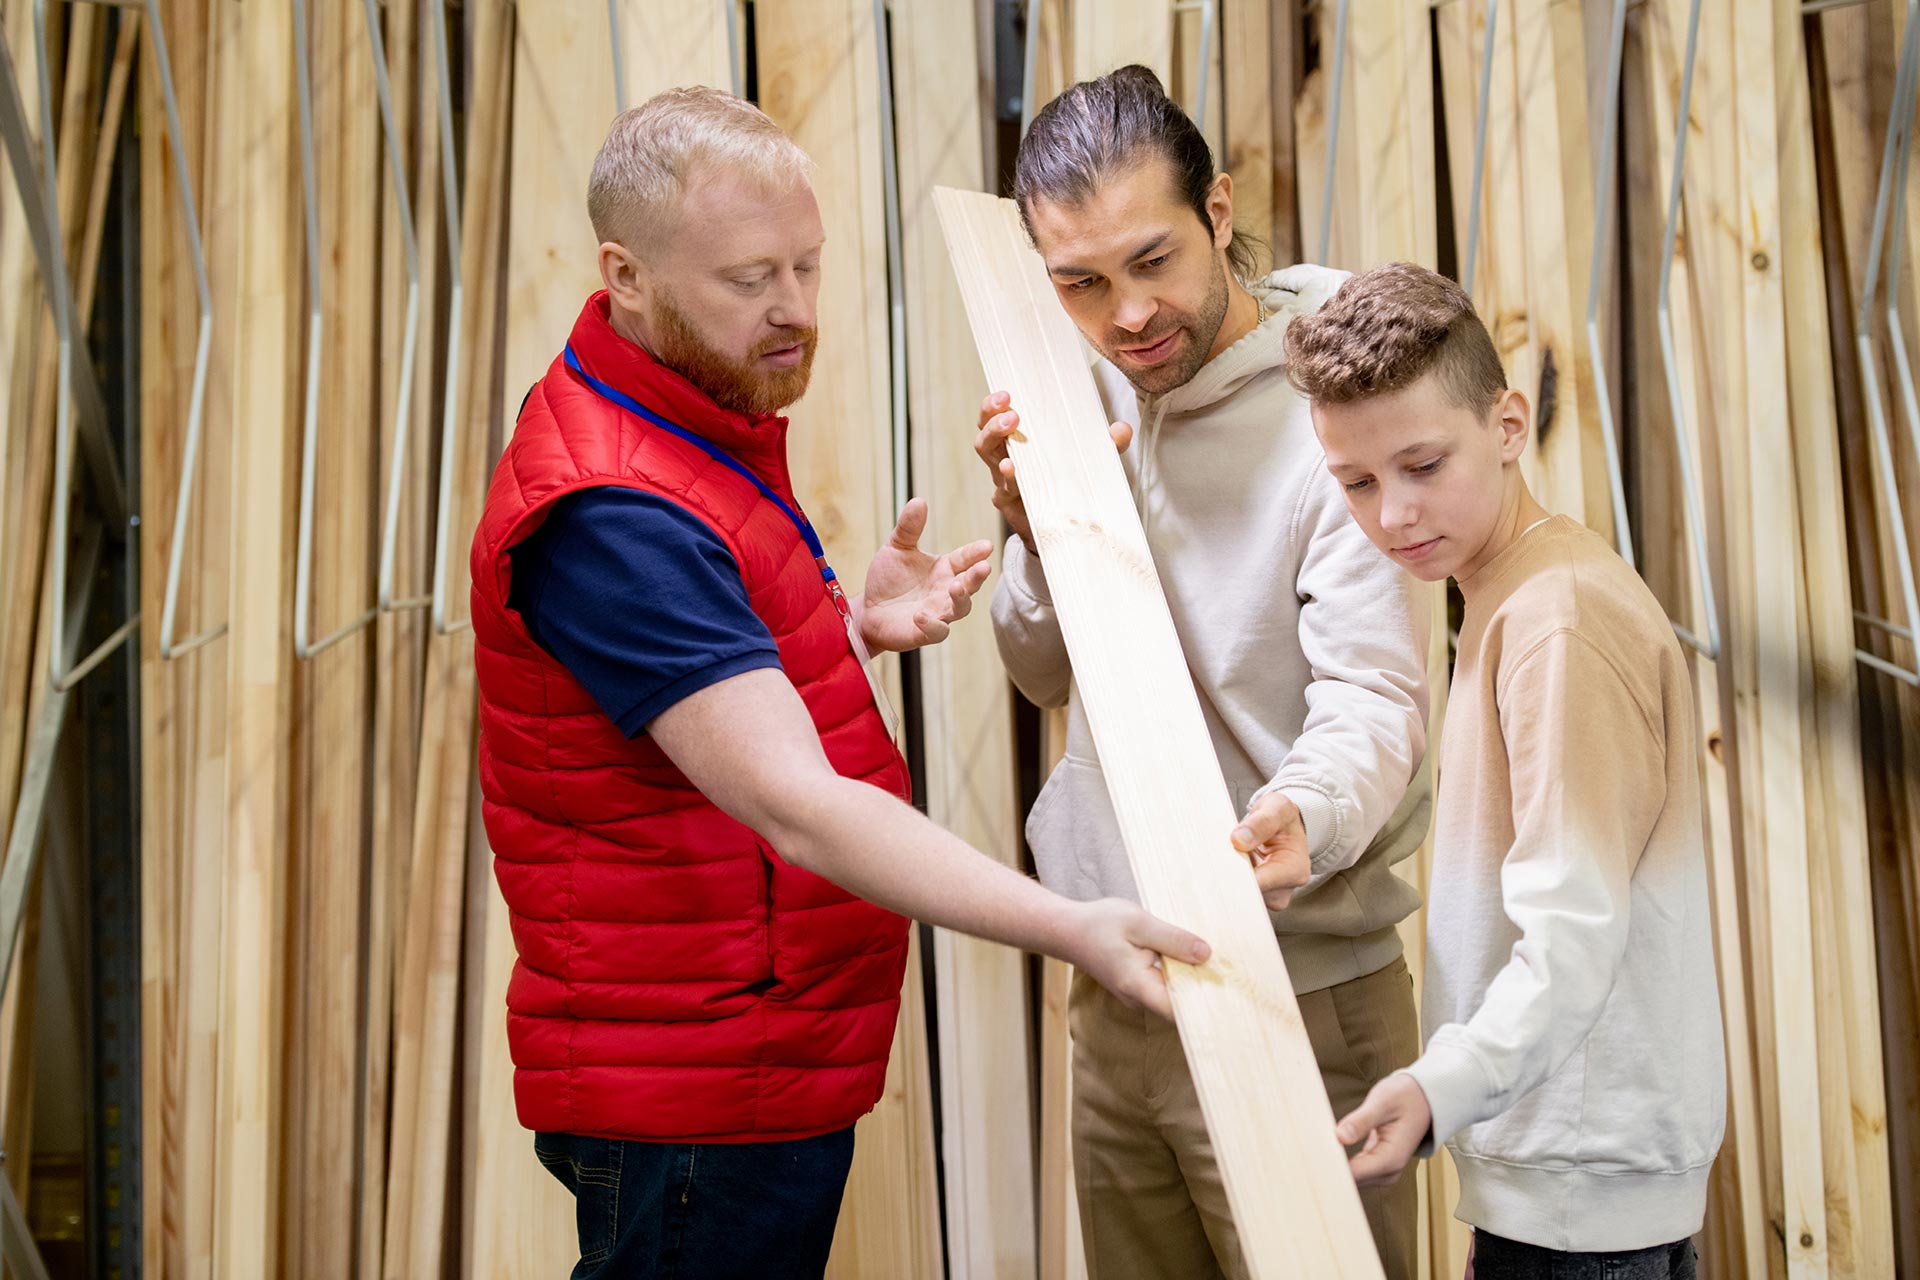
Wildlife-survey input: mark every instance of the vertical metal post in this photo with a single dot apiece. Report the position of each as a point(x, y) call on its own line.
point(1480, 115)
point(1602, 238)
point(1670, 364)
point(1893, 171)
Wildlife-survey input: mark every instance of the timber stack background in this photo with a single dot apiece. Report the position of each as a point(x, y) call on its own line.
point(253, 1025)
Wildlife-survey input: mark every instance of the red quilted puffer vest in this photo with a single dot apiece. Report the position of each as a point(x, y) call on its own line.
point(676, 979)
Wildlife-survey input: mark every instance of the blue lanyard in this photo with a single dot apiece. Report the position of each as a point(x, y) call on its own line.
point(720, 456)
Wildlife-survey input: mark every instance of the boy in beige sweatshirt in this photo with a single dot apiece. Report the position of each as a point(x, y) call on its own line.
point(1574, 1058)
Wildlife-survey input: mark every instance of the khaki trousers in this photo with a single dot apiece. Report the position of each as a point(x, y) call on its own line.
point(1152, 1204)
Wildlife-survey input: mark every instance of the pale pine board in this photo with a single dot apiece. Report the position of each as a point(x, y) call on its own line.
point(967, 726)
point(1259, 1085)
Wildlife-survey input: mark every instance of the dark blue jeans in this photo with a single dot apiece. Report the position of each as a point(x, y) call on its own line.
point(1496, 1258)
point(701, 1210)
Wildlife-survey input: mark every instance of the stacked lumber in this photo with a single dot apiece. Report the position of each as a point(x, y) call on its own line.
point(325, 1082)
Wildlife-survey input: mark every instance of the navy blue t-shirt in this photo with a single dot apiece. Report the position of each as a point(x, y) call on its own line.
point(639, 599)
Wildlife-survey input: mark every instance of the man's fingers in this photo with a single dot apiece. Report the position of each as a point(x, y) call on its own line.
point(973, 555)
point(1122, 434)
point(959, 601)
point(912, 523)
point(932, 629)
point(994, 403)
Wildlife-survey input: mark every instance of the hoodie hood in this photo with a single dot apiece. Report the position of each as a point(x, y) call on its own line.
point(1287, 293)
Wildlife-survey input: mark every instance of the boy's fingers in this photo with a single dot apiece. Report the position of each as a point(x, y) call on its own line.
point(1168, 939)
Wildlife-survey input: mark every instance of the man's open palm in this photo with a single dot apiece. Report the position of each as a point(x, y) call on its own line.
point(912, 598)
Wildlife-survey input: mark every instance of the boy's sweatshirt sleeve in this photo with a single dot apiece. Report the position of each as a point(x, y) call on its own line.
point(1363, 632)
point(1027, 629)
point(1587, 767)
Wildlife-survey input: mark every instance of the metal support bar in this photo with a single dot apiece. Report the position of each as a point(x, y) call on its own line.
point(1333, 129)
point(1480, 115)
point(1670, 364)
point(410, 323)
point(896, 271)
point(16, 1240)
point(1603, 221)
point(450, 433)
point(43, 228)
point(197, 401)
point(735, 67)
point(40, 204)
point(305, 647)
point(17, 1247)
point(1030, 66)
point(1208, 21)
point(619, 57)
point(1894, 161)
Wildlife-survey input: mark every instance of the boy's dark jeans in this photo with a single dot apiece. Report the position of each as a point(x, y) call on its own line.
point(1496, 1258)
point(701, 1210)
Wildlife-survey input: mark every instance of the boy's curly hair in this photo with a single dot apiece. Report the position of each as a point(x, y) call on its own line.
point(1387, 328)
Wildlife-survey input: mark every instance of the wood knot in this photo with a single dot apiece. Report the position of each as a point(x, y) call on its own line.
point(1760, 260)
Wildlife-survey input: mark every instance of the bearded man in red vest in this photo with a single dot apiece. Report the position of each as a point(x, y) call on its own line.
point(696, 807)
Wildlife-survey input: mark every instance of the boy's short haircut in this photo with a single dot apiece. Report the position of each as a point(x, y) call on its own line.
point(1387, 328)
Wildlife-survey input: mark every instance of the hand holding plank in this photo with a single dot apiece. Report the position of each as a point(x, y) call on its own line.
point(912, 598)
point(1394, 1119)
point(998, 423)
point(1275, 838)
point(1119, 946)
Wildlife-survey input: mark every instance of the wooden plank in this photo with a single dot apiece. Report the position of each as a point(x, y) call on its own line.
point(520, 1220)
point(1569, 470)
point(183, 703)
point(256, 46)
point(1311, 120)
point(966, 704)
point(1283, 86)
point(1761, 513)
point(330, 742)
point(1115, 33)
point(1853, 1118)
point(819, 73)
point(401, 637)
point(1246, 86)
point(1391, 124)
point(1294, 1202)
point(1656, 37)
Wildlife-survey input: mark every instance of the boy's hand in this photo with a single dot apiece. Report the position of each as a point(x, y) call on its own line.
point(1120, 945)
point(1394, 1120)
point(1275, 838)
point(912, 598)
point(998, 422)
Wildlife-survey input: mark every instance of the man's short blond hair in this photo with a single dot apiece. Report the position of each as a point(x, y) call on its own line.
point(655, 151)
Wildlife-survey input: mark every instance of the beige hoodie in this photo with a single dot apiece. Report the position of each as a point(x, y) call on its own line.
point(1305, 645)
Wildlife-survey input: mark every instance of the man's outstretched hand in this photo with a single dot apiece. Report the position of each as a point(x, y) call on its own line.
point(912, 598)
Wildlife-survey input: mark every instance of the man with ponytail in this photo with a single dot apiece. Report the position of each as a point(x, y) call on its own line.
point(1307, 648)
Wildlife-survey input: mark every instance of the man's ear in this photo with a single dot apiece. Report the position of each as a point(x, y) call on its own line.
point(625, 276)
point(1220, 209)
point(1513, 416)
